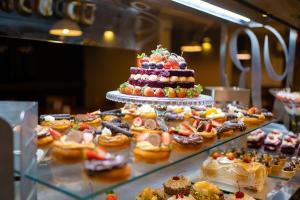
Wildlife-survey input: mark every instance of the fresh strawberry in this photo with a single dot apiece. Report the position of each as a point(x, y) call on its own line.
point(173, 62)
point(168, 65)
point(96, 154)
point(55, 134)
point(137, 122)
point(139, 59)
point(195, 124)
point(148, 91)
point(208, 127)
point(123, 87)
point(216, 155)
point(83, 126)
point(195, 113)
point(170, 92)
point(159, 92)
point(176, 178)
point(129, 89)
point(166, 138)
point(145, 59)
point(179, 196)
point(172, 130)
point(184, 130)
point(230, 156)
point(180, 92)
point(252, 110)
point(137, 91)
point(110, 195)
point(156, 57)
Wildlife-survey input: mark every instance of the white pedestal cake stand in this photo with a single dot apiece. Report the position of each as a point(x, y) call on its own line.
point(202, 100)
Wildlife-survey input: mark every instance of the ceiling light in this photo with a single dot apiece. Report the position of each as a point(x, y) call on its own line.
point(243, 56)
point(214, 10)
point(65, 28)
point(191, 48)
point(206, 45)
point(109, 36)
point(264, 15)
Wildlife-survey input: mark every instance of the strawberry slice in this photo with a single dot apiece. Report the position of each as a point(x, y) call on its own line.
point(159, 92)
point(195, 124)
point(185, 130)
point(216, 124)
point(96, 154)
point(83, 126)
point(166, 138)
point(55, 134)
point(111, 196)
point(137, 122)
point(208, 127)
point(172, 130)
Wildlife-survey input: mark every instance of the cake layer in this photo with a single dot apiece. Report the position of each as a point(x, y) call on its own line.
point(159, 84)
point(163, 72)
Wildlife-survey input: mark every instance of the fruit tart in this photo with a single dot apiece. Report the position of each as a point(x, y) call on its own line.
point(205, 190)
point(130, 111)
point(61, 125)
point(114, 134)
point(143, 125)
point(239, 196)
point(102, 166)
point(152, 148)
point(253, 117)
point(205, 129)
point(147, 111)
point(70, 147)
point(177, 185)
point(89, 118)
point(256, 138)
point(175, 115)
point(44, 137)
point(151, 194)
point(215, 114)
point(185, 139)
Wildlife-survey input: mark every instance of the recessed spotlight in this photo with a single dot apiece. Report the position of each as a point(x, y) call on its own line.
point(264, 15)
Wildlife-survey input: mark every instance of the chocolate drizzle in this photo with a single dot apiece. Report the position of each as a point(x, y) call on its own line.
point(191, 139)
point(94, 166)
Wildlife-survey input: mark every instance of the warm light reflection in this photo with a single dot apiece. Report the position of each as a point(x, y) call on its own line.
point(206, 45)
point(109, 36)
point(65, 32)
point(243, 56)
point(191, 48)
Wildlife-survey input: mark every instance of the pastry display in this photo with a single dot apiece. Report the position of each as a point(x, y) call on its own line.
point(256, 138)
point(162, 74)
point(177, 185)
point(185, 139)
point(100, 165)
point(70, 147)
point(273, 140)
point(90, 119)
point(61, 125)
point(152, 148)
point(205, 190)
point(151, 194)
point(228, 169)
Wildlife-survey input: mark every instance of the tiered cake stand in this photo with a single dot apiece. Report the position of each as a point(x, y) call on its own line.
point(202, 100)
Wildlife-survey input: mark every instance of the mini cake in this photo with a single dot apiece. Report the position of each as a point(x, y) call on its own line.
point(102, 166)
point(184, 138)
point(69, 149)
point(253, 117)
point(228, 127)
point(44, 138)
point(215, 114)
point(272, 142)
point(151, 194)
point(205, 190)
point(162, 74)
point(288, 145)
point(130, 111)
point(61, 125)
point(288, 171)
point(90, 119)
point(256, 138)
point(177, 185)
point(152, 148)
point(113, 139)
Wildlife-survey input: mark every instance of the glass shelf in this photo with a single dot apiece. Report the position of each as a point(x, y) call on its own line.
point(70, 179)
point(124, 98)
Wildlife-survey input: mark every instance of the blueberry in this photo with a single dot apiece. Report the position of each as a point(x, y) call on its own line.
point(159, 65)
point(152, 65)
point(145, 65)
point(182, 65)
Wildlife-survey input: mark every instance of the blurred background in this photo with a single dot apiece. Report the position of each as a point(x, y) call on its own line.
point(67, 54)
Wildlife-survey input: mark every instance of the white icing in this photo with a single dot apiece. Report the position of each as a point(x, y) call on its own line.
point(49, 118)
point(137, 76)
point(144, 77)
point(153, 78)
point(106, 131)
point(164, 79)
point(224, 160)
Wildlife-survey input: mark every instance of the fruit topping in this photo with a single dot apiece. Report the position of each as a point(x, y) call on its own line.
point(230, 156)
point(216, 155)
point(160, 65)
point(176, 178)
point(208, 127)
point(189, 93)
point(247, 159)
point(96, 154)
point(55, 134)
point(137, 91)
point(128, 89)
point(139, 59)
point(166, 138)
point(184, 130)
point(159, 92)
point(148, 91)
point(167, 65)
point(154, 139)
point(180, 92)
point(170, 92)
point(152, 65)
point(145, 65)
point(182, 65)
point(111, 195)
point(239, 195)
point(137, 122)
point(150, 124)
point(252, 110)
point(178, 196)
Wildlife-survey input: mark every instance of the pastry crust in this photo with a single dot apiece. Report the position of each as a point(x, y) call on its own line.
point(185, 148)
point(60, 125)
point(227, 133)
point(150, 156)
point(44, 141)
point(113, 175)
point(209, 135)
point(149, 115)
point(95, 123)
point(119, 141)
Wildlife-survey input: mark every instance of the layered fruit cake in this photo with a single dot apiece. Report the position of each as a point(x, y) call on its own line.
point(256, 138)
point(273, 140)
point(162, 74)
point(289, 144)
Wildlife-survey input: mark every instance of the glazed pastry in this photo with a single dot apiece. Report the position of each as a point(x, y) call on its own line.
point(175, 115)
point(140, 126)
point(60, 125)
point(90, 119)
point(215, 114)
point(151, 194)
point(152, 148)
point(205, 190)
point(228, 169)
point(69, 149)
point(235, 125)
point(177, 185)
point(44, 138)
point(256, 138)
point(184, 138)
point(111, 139)
point(102, 166)
point(224, 130)
point(253, 116)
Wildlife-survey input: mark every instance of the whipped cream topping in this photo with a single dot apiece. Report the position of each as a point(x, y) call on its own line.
point(256, 135)
point(153, 78)
point(224, 160)
point(106, 131)
point(146, 109)
point(270, 139)
point(49, 118)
